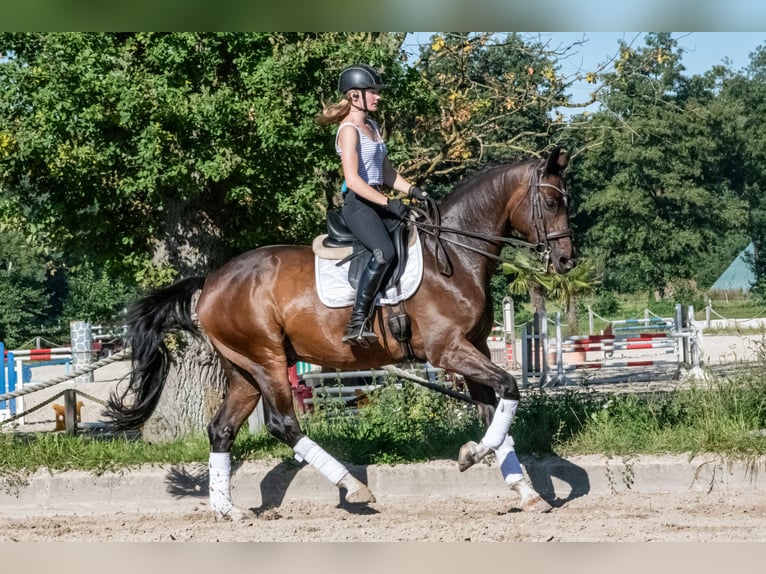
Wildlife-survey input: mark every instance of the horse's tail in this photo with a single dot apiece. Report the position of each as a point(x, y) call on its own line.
point(155, 315)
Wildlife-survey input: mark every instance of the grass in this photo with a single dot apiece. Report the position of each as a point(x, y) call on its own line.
point(727, 418)
point(408, 423)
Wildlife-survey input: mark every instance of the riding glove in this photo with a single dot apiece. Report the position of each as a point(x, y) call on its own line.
point(397, 208)
point(417, 193)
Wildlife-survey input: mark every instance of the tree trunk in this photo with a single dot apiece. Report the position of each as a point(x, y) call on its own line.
point(194, 389)
point(537, 297)
point(191, 241)
point(195, 383)
point(571, 311)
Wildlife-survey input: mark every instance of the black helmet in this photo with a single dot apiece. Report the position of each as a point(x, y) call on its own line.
point(359, 77)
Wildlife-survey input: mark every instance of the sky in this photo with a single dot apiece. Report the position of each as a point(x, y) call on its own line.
point(702, 50)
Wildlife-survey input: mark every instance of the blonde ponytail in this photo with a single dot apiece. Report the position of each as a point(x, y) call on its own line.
point(334, 113)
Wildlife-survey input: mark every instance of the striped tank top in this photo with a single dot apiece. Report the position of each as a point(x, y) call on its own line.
point(371, 153)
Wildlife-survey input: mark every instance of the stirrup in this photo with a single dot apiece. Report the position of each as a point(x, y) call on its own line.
point(360, 335)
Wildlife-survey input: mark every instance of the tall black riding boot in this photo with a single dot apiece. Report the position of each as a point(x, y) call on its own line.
point(358, 330)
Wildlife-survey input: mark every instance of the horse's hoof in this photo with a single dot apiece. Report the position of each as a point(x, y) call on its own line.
point(360, 496)
point(536, 504)
point(470, 453)
point(356, 491)
point(530, 500)
point(234, 514)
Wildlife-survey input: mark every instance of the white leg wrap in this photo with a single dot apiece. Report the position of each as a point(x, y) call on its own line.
point(501, 422)
point(306, 449)
point(219, 470)
point(509, 462)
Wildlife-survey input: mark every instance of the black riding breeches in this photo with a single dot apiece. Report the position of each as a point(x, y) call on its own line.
point(364, 219)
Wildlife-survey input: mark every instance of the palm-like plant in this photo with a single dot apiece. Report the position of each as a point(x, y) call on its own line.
point(565, 289)
point(528, 276)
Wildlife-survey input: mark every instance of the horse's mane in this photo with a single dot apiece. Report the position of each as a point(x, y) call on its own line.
point(468, 182)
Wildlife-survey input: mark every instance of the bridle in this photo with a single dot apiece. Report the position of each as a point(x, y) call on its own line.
point(542, 247)
point(544, 237)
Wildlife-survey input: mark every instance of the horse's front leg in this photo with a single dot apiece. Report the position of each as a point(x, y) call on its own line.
point(497, 415)
point(485, 379)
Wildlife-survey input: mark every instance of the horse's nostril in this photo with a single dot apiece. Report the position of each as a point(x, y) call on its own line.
point(567, 263)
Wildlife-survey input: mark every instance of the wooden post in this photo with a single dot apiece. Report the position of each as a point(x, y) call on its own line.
point(510, 330)
point(70, 411)
point(525, 356)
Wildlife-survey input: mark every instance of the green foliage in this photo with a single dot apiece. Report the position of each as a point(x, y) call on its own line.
point(403, 422)
point(725, 418)
point(60, 452)
point(185, 146)
point(490, 97)
point(25, 290)
point(656, 190)
point(94, 297)
point(606, 305)
point(545, 422)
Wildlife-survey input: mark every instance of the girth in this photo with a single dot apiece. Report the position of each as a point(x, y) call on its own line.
point(339, 235)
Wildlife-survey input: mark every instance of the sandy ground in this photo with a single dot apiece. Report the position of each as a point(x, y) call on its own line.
point(737, 516)
point(720, 515)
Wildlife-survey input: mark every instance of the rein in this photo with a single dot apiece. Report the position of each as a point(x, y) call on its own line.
point(435, 231)
point(541, 248)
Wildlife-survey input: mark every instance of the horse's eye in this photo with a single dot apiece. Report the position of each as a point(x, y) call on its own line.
point(550, 204)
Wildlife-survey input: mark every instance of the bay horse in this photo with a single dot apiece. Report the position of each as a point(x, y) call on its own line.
point(261, 313)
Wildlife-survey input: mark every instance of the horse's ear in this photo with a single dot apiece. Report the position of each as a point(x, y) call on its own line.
point(557, 161)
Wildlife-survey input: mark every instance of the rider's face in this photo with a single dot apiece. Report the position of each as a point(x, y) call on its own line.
point(370, 98)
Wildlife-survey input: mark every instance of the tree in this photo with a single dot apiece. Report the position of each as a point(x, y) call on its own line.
point(24, 290)
point(481, 98)
point(93, 296)
point(164, 154)
point(528, 276)
point(743, 103)
point(565, 289)
point(652, 205)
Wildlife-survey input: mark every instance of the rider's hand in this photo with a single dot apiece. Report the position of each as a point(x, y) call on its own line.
point(417, 193)
point(397, 208)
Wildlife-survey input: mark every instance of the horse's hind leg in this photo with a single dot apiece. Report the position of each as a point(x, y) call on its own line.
point(281, 422)
point(241, 399)
point(273, 387)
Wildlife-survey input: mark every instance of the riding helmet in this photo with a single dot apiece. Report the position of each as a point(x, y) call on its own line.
point(359, 77)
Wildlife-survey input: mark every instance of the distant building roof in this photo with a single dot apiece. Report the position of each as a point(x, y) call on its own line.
point(738, 276)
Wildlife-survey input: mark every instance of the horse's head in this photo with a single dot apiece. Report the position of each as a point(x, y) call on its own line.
point(543, 215)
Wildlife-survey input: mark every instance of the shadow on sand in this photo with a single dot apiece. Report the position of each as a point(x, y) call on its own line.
point(183, 482)
point(542, 471)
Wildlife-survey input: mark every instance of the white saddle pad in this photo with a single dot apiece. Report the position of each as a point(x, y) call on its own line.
point(334, 290)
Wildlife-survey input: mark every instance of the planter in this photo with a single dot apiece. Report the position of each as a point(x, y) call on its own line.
point(569, 357)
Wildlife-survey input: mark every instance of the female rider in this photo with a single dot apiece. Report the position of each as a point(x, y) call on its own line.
point(369, 174)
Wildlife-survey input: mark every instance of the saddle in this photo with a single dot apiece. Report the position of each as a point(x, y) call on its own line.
point(339, 236)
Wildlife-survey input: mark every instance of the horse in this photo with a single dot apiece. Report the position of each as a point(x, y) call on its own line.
point(261, 314)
